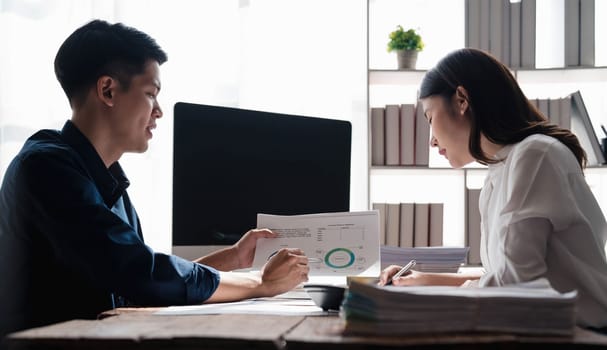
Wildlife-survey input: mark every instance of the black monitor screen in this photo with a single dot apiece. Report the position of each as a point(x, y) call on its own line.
point(230, 164)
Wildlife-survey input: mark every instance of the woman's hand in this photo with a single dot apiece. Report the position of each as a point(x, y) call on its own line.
point(418, 278)
point(411, 278)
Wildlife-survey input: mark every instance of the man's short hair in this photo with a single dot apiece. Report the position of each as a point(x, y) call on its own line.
point(99, 48)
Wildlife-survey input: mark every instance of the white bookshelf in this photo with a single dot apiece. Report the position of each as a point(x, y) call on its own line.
point(438, 182)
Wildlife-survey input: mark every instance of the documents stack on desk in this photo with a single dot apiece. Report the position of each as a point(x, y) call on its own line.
point(429, 259)
point(530, 308)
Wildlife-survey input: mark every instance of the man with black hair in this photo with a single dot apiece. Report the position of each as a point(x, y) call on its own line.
point(71, 244)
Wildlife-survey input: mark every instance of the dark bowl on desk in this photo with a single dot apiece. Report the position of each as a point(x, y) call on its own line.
point(327, 297)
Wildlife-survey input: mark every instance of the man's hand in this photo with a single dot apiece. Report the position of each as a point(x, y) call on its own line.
point(239, 255)
point(285, 270)
point(245, 247)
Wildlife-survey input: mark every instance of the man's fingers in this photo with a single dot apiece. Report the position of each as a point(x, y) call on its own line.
point(263, 233)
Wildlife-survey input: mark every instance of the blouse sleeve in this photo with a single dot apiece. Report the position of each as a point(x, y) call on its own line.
point(537, 202)
point(524, 253)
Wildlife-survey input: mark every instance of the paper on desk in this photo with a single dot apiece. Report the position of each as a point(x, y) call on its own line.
point(337, 244)
point(261, 306)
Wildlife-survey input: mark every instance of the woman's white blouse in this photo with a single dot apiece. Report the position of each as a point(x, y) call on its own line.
point(540, 219)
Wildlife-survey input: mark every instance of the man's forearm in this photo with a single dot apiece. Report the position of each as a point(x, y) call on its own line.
point(235, 286)
point(223, 260)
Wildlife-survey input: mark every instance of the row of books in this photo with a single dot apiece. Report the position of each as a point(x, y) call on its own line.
point(570, 113)
point(507, 29)
point(410, 224)
point(557, 110)
point(400, 135)
point(503, 28)
point(533, 308)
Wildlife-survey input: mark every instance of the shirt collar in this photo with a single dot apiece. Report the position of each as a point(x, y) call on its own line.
point(111, 182)
point(503, 153)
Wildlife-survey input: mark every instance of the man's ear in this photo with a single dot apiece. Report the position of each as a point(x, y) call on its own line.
point(106, 86)
point(461, 99)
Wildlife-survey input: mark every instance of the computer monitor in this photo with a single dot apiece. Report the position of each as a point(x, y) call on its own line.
point(230, 164)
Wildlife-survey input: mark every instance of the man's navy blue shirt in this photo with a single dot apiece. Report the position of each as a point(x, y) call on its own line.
point(70, 240)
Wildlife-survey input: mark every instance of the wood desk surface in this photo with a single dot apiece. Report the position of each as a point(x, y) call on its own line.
point(139, 329)
point(326, 333)
point(147, 331)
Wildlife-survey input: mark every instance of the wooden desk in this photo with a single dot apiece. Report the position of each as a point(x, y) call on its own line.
point(128, 329)
point(325, 333)
point(146, 331)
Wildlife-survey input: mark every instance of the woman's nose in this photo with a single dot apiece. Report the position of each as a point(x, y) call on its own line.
point(433, 141)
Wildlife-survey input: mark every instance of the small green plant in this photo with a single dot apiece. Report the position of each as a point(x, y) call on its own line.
point(405, 40)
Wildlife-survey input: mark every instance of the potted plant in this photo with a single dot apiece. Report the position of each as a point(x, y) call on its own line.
point(406, 43)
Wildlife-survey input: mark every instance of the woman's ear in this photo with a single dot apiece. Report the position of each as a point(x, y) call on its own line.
point(461, 99)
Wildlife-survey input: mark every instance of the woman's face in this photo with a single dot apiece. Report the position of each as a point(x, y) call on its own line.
point(450, 127)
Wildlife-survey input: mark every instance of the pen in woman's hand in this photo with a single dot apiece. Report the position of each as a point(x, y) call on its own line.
point(402, 271)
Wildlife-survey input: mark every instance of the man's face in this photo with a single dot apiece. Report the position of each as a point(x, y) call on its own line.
point(136, 110)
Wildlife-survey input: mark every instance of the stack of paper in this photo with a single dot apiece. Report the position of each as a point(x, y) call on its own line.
point(530, 308)
point(429, 259)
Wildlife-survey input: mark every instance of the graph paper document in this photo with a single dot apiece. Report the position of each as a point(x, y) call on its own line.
point(336, 244)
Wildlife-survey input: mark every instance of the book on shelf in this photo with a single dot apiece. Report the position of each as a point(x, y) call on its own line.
point(528, 36)
point(544, 106)
point(505, 31)
point(422, 137)
point(572, 33)
point(435, 232)
point(565, 112)
point(392, 224)
point(499, 30)
point(392, 134)
point(382, 208)
point(377, 136)
point(473, 226)
point(407, 134)
point(532, 308)
point(407, 219)
point(581, 126)
point(554, 105)
point(421, 224)
point(587, 33)
point(485, 15)
point(473, 25)
point(515, 34)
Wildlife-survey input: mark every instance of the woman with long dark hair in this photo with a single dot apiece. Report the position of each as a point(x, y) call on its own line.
point(539, 218)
